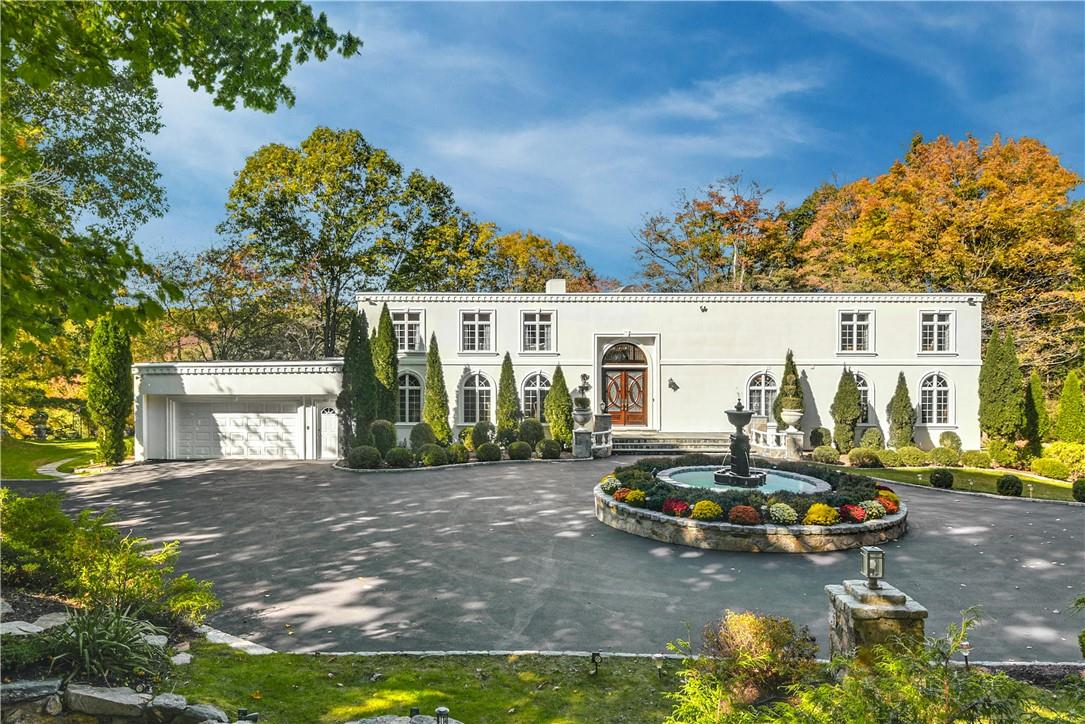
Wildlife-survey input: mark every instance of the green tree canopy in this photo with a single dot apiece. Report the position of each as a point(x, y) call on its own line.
point(508, 403)
point(109, 387)
point(1070, 426)
point(357, 401)
point(1001, 389)
point(435, 403)
point(1035, 414)
point(386, 367)
point(902, 415)
point(846, 411)
point(558, 409)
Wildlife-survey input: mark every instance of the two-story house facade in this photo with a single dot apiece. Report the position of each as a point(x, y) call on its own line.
point(668, 363)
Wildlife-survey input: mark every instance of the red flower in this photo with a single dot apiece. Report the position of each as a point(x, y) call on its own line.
point(744, 515)
point(676, 507)
point(854, 513)
point(891, 508)
point(620, 493)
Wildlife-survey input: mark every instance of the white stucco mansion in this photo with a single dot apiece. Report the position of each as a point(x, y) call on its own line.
point(668, 363)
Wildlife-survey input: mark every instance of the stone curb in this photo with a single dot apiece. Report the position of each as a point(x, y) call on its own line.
point(215, 636)
point(434, 468)
point(995, 496)
point(496, 652)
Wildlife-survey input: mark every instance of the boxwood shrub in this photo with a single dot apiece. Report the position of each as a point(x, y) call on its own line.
point(482, 433)
point(1078, 491)
point(399, 457)
point(888, 458)
point(519, 450)
point(431, 455)
point(549, 449)
point(457, 453)
point(950, 439)
point(1070, 453)
point(531, 432)
point(863, 457)
point(364, 457)
point(826, 454)
point(1050, 468)
point(873, 439)
point(1009, 485)
point(383, 434)
point(487, 452)
point(912, 457)
point(422, 435)
point(945, 456)
point(820, 436)
point(942, 478)
point(976, 459)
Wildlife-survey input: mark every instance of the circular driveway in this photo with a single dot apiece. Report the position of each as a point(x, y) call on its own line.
point(305, 557)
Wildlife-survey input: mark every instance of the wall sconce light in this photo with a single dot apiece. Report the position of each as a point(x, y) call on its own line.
point(441, 715)
point(596, 659)
point(873, 565)
point(704, 308)
point(671, 383)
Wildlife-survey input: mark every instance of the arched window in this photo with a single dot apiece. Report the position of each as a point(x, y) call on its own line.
point(410, 398)
point(535, 388)
point(476, 399)
point(625, 353)
point(864, 398)
point(934, 400)
point(761, 394)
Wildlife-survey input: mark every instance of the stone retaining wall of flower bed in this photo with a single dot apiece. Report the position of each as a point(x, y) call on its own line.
point(722, 536)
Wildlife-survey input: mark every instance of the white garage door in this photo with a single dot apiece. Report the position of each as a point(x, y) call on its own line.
point(234, 429)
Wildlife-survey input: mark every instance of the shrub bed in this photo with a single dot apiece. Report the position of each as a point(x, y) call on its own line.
point(826, 454)
point(945, 456)
point(1050, 468)
point(912, 457)
point(976, 459)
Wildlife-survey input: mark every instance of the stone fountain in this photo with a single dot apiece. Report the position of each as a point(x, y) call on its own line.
point(738, 473)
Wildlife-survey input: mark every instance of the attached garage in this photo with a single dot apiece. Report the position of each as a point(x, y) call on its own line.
point(260, 411)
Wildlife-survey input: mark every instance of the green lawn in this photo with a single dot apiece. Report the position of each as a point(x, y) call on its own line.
point(22, 458)
point(982, 481)
point(476, 689)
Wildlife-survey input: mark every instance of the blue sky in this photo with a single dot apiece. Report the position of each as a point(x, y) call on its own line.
point(575, 120)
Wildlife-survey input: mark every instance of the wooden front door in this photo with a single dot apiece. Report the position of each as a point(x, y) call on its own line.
point(625, 399)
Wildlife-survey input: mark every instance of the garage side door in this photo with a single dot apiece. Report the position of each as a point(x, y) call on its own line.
point(234, 429)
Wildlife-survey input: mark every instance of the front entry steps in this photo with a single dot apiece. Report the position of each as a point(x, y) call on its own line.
point(629, 442)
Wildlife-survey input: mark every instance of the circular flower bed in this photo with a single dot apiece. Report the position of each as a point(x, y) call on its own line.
point(854, 511)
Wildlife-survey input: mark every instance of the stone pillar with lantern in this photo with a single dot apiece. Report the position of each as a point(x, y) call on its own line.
point(866, 613)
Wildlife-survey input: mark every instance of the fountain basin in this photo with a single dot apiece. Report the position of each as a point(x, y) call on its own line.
point(774, 481)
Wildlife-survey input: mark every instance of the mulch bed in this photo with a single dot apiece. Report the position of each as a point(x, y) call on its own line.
point(29, 606)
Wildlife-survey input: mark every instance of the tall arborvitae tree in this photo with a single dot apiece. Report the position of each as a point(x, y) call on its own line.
point(1070, 427)
point(559, 409)
point(1036, 422)
point(508, 404)
point(790, 391)
point(386, 367)
point(845, 411)
point(1001, 389)
point(357, 397)
point(902, 415)
point(435, 403)
point(109, 387)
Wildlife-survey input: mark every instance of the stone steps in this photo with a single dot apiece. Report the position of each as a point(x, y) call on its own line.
point(656, 444)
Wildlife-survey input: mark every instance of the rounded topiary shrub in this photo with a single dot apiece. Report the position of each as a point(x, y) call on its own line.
point(862, 457)
point(549, 449)
point(465, 437)
point(941, 479)
point(820, 436)
point(487, 452)
point(383, 434)
point(1078, 491)
point(531, 432)
point(421, 435)
point(431, 455)
point(399, 457)
point(519, 450)
point(482, 433)
point(888, 458)
point(950, 439)
point(743, 515)
point(783, 514)
point(976, 459)
point(912, 457)
point(945, 456)
point(1050, 468)
point(873, 439)
point(364, 457)
point(458, 453)
point(826, 454)
point(1009, 485)
point(706, 510)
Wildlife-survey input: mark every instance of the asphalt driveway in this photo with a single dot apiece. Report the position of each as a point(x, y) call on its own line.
point(504, 557)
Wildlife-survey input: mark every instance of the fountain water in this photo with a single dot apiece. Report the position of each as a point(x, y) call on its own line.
point(738, 472)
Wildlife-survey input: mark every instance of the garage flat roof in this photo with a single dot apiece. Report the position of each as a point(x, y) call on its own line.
point(220, 367)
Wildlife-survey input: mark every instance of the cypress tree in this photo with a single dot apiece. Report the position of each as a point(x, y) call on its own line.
point(363, 385)
point(790, 391)
point(1035, 417)
point(559, 409)
point(109, 387)
point(435, 403)
point(902, 415)
point(386, 367)
point(1070, 427)
point(508, 403)
point(1001, 389)
point(845, 411)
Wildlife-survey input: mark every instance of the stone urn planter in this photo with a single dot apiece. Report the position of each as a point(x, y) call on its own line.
point(790, 417)
point(582, 414)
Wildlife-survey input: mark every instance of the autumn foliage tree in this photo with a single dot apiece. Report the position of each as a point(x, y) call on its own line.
point(523, 261)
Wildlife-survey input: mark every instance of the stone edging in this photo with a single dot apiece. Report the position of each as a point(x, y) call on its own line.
point(1013, 498)
point(766, 538)
point(820, 486)
point(366, 471)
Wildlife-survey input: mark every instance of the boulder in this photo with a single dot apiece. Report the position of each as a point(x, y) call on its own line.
point(102, 701)
point(156, 640)
point(166, 707)
point(200, 713)
point(182, 659)
point(6, 609)
point(17, 691)
point(50, 620)
point(18, 628)
point(54, 705)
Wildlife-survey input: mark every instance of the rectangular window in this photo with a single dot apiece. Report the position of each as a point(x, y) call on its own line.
point(538, 331)
point(855, 331)
point(934, 407)
point(408, 329)
point(935, 330)
point(476, 331)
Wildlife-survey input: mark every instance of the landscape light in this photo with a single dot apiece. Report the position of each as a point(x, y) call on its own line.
point(873, 564)
point(658, 659)
point(596, 659)
point(966, 649)
point(441, 715)
point(415, 711)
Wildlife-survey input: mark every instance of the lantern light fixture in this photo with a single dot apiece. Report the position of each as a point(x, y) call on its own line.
point(966, 650)
point(873, 565)
point(596, 659)
point(658, 661)
point(441, 715)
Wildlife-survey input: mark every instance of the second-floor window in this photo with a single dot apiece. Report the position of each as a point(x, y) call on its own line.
point(935, 331)
point(408, 329)
point(855, 331)
point(476, 334)
point(538, 331)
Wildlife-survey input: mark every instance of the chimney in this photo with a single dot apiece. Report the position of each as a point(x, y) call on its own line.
point(555, 286)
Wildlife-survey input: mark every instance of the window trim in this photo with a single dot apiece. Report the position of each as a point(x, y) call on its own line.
point(461, 394)
point(523, 391)
point(952, 351)
point(553, 332)
point(872, 341)
point(423, 340)
point(951, 401)
point(493, 332)
point(421, 395)
point(746, 391)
